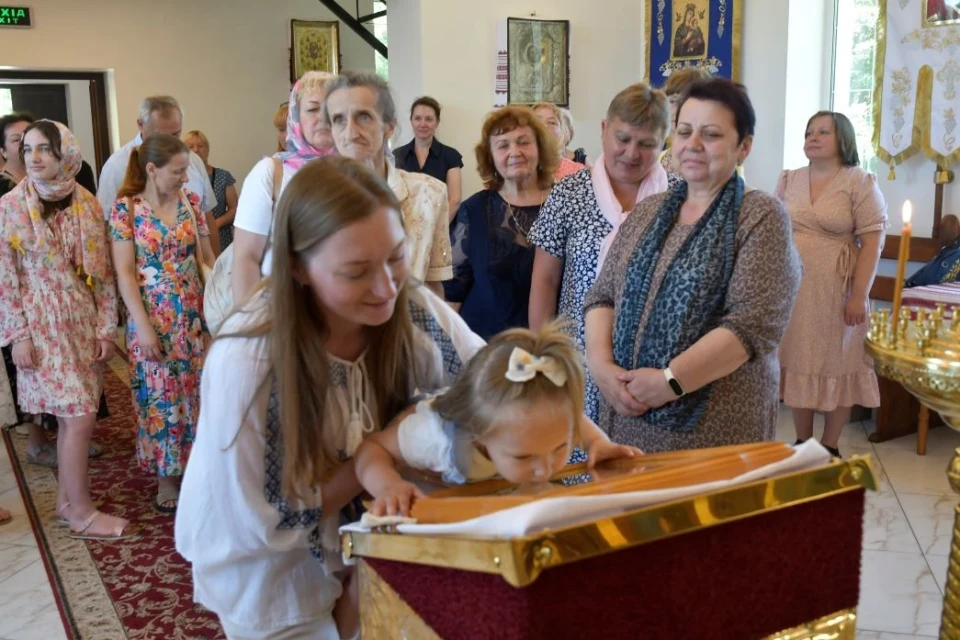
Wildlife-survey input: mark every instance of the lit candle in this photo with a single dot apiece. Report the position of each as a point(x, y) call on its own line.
point(902, 259)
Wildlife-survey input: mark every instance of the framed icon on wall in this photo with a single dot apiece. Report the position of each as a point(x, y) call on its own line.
point(538, 61)
point(314, 46)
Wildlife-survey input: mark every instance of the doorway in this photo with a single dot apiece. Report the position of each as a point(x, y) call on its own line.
point(40, 100)
point(77, 99)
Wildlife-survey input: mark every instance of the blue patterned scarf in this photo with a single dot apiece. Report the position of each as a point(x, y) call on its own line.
point(690, 300)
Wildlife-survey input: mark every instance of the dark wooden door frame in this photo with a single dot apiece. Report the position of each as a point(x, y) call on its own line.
point(98, 103)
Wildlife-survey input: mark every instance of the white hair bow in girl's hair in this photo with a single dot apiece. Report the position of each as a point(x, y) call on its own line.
point(523, 367)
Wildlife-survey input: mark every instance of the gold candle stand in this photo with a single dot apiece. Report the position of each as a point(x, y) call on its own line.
point(921, 351)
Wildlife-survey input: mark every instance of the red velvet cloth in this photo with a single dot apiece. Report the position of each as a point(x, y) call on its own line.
point(741, 580)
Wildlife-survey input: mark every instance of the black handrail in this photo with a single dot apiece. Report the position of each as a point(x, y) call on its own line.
point(344, 17)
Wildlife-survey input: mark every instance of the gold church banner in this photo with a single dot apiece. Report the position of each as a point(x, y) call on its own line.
point(917, 80)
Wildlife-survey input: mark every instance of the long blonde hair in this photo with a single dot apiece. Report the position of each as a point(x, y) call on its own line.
point(482, 391)
point(324, 197)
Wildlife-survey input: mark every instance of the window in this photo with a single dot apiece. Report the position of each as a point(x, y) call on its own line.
point(6, 101)
point(380, 31)
point(854, 55)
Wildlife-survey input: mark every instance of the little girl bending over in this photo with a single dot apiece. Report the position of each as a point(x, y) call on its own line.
point(516, 410)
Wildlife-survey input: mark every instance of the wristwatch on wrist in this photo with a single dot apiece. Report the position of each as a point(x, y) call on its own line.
point(674, 383)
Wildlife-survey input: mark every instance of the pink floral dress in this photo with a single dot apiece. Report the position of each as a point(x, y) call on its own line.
point(822, 360)
point(43, 298)
point(167, 393)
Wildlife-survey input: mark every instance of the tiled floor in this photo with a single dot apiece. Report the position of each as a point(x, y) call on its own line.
point(27, 608)
point(906, 541)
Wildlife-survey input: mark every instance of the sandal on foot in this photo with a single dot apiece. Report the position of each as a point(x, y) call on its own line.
point(94, 450)
point(5, 517)
point(62, 519)
point(167, 500)
point(45, 456)
point(120, 532)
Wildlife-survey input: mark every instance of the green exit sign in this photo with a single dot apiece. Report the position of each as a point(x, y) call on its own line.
point(15, 16)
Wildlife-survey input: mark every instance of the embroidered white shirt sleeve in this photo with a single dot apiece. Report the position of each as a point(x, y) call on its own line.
point(252, 547)
point(424, 205)
point(443, 342)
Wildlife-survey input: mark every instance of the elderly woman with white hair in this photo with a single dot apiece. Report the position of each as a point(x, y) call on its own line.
point(362, 116)
point(578, 154)
point(581, 217)
point(553, 118)
point(308, 137)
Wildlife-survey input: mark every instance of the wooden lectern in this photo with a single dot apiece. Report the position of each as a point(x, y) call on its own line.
point(741, 562)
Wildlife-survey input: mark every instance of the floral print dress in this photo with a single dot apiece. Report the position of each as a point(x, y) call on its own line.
point(42, 298)
point(167, 393)
point(571, 228)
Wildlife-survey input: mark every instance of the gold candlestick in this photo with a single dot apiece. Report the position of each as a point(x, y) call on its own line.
point(902, 259)
point(924, 356)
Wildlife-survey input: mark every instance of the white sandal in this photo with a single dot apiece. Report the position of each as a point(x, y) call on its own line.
point(124, 531)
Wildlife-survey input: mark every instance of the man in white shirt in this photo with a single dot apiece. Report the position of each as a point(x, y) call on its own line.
point(158, 114)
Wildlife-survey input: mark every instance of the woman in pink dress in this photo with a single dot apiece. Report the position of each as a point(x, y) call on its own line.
point(58, 308)
point(839, 219)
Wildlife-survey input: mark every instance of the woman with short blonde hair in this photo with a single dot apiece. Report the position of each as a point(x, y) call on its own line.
point(222, 215)
point(584, 211)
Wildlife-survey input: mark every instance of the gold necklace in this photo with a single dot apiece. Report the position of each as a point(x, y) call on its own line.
point(516, 219)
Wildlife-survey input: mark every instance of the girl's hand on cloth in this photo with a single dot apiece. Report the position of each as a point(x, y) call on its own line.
point(397, 499)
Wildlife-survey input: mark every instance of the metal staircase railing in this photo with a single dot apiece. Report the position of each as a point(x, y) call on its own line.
point(357, 23)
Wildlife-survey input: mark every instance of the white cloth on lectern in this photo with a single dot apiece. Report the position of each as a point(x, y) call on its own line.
point(560, 512)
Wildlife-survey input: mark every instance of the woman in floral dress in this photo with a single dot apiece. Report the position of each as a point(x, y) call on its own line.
point(58, 308)
point(154, 227)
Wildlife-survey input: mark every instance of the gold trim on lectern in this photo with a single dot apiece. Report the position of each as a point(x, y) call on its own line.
point(837, 626)
point(521, 560)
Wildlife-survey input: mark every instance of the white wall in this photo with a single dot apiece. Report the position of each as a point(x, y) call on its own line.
point(226, 61)
point(80, 116)
point(764, 72)
point(806, 51)
point(453, 57)
point(454, 61)
point(405, 29)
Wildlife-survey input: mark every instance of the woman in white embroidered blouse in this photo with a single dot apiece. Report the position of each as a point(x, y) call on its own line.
point(362, 116)
point(271, 467)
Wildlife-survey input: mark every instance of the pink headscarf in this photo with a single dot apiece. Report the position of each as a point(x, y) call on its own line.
point(27, 230)
point(298, 150)
point(655, 182)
